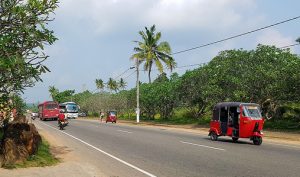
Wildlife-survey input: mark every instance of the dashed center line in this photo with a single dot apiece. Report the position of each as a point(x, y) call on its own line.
point(202, 146)
point(124, 131)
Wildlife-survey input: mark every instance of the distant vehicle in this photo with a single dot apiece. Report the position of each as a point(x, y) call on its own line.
point(237, 120)
point(62, 120)
point(70, 109)
point(48, 110)
point(111, 116)
point(82, 114)
point(34, 115)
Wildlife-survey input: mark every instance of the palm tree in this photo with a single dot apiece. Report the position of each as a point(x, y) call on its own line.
point(53, 92)
point(99, 84)
point(122, 84)
point(150, 51)
point(298, 40)
point(112, 84)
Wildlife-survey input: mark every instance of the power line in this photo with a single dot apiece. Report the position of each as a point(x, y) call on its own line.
point(122, 73)
point(130, 74)
point(239, 35)
point(287, 46)
point(197, 64)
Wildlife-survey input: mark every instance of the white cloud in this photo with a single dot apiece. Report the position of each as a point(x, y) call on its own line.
point(108, 16)
point(274, 37)
point(203, 14)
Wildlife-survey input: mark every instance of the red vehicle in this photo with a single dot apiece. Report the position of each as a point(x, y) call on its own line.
point(111, 117)
point(48, 110)
point(237, 120)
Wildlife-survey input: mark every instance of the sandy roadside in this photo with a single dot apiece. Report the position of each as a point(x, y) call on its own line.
point(72, 163)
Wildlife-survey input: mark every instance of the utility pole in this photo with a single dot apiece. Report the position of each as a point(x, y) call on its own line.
point(137, 92)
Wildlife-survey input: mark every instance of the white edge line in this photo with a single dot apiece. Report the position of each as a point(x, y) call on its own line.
point(124, 131)
point(112, 156)
point(203, 146)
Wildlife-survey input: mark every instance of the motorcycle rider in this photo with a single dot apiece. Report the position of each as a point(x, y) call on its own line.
point(61, 119)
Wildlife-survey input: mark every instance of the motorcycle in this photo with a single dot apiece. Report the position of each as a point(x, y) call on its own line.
point(62, 124)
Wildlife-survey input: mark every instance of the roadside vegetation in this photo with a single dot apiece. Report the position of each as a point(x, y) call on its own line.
point(267, 75)
point(42, 158)
point(23, 36)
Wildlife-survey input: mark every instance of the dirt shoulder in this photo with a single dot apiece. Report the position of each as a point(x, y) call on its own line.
point(269, 135)
point(72, 162)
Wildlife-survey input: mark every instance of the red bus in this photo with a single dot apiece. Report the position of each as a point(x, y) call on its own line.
point(48, 110)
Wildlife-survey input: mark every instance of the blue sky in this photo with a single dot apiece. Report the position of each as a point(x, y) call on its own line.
point(95, 36)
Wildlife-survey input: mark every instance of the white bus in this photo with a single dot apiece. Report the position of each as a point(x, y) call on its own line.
point(70, 109)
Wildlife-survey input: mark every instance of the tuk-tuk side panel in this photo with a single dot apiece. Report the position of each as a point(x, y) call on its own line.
point(215, 126)
point(229, 131)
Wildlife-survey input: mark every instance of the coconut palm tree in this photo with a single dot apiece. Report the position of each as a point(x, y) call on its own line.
point(53, 92)
point(122, 84)
point(112, 85)
point(150, 51)
point(99, 84)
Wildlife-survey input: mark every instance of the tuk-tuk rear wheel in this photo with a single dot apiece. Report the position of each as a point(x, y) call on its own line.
point(213, 136)
point(235, 139)
point(257, 140)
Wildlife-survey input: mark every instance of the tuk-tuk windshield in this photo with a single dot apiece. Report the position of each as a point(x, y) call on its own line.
point(252, 111)
point(112, 113)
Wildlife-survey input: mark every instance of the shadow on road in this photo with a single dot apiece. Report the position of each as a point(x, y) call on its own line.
point(226, 140)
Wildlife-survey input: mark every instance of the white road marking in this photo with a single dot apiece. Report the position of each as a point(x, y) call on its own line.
point(202, 146)
point(124, 131)
point(112, 156)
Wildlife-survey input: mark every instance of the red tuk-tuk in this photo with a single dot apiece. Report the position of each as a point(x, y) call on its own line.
point(111, 117)
point(237, 120)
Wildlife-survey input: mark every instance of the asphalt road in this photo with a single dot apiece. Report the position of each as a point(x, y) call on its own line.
point(121, 150)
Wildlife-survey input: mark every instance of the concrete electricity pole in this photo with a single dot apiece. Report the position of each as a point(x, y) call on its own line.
point(137, 92)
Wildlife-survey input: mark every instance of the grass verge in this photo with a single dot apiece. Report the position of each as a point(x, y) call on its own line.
point(41, 159)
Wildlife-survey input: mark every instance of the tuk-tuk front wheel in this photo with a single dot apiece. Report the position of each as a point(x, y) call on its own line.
point(213, 136)
point(257, 140)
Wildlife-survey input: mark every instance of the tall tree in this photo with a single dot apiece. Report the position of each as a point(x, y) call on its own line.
point(122, 84)
point(99, 84)
point(112, 85)
point(150, 51)
point(53, 92)
point(23, 35)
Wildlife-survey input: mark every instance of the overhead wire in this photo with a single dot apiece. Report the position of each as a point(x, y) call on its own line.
point(235, 36)
point(222, 40)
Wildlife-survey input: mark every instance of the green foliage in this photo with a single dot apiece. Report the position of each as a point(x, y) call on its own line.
point(60, 97)
point(23, 34)
point(149, 51)
point(122, 84)
point(267, 75)
point(19, 104)
point(32, 107)
point(112, 85)
point(99, 84)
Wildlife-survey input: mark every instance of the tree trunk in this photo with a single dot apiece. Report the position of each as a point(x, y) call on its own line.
point(149, 76)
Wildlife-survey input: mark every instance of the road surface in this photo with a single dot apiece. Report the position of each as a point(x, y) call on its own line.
point(129, 150)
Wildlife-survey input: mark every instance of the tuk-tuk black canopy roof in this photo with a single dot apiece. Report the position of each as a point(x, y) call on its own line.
point(231, 104)
point(228, 104)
